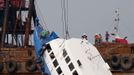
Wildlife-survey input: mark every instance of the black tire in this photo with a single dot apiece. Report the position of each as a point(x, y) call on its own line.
point(1, 66)
point(30, 66)
point(115, 61)
point(11, 66)
point(126, 63)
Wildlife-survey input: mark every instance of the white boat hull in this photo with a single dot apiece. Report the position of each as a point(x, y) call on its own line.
point(84, 58)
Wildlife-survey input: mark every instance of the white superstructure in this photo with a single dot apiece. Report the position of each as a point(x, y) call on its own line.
point(74, 57)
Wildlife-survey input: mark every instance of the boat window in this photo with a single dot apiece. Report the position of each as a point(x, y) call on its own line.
point(52, 55)
point(79, 63)
point(59, 71)
point(55, 63)
point(75, 73)
point(71, 66)
point(67, 59)
point(64, 53)
point(48, 47)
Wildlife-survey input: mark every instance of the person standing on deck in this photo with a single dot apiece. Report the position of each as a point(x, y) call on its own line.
point(100, 38)
point(97, 38)
point(107, 36)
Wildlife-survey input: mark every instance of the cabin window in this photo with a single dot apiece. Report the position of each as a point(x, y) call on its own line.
point(67, 59)
point(48, 47)
point(64, 53)
point(52, 56)
point(59, 71)
point(55, 63)
point(75, 73)
point(79, 63)
point(71, 66)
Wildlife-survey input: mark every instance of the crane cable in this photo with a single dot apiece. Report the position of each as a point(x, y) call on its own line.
point(64, 6)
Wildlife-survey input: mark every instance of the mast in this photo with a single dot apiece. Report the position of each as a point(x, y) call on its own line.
point(116, 20)
point(116, 24)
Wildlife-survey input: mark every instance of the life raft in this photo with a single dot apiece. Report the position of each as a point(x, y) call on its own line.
point(30, 66)
point(1, 66)
point(115, 61)
point(11, 66)
point(126, 63)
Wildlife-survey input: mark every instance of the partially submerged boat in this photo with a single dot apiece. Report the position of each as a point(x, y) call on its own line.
point(74, 56)
point(70, 56)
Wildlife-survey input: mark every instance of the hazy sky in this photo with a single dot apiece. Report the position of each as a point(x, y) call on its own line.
point(88, 16)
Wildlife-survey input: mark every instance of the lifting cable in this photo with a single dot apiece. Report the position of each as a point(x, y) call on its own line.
point(64, 6)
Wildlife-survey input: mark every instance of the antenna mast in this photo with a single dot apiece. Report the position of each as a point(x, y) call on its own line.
point(116, 21)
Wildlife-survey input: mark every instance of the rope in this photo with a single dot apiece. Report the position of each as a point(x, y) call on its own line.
point(41, 17)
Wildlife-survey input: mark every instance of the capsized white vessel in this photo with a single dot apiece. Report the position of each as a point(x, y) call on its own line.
point(66, 56)
point(74, 57)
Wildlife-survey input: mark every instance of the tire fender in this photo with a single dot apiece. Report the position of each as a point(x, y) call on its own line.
point(11, 66)
point(126, 63)
point(115, 61)
point(30, 66)
point(1, 66)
